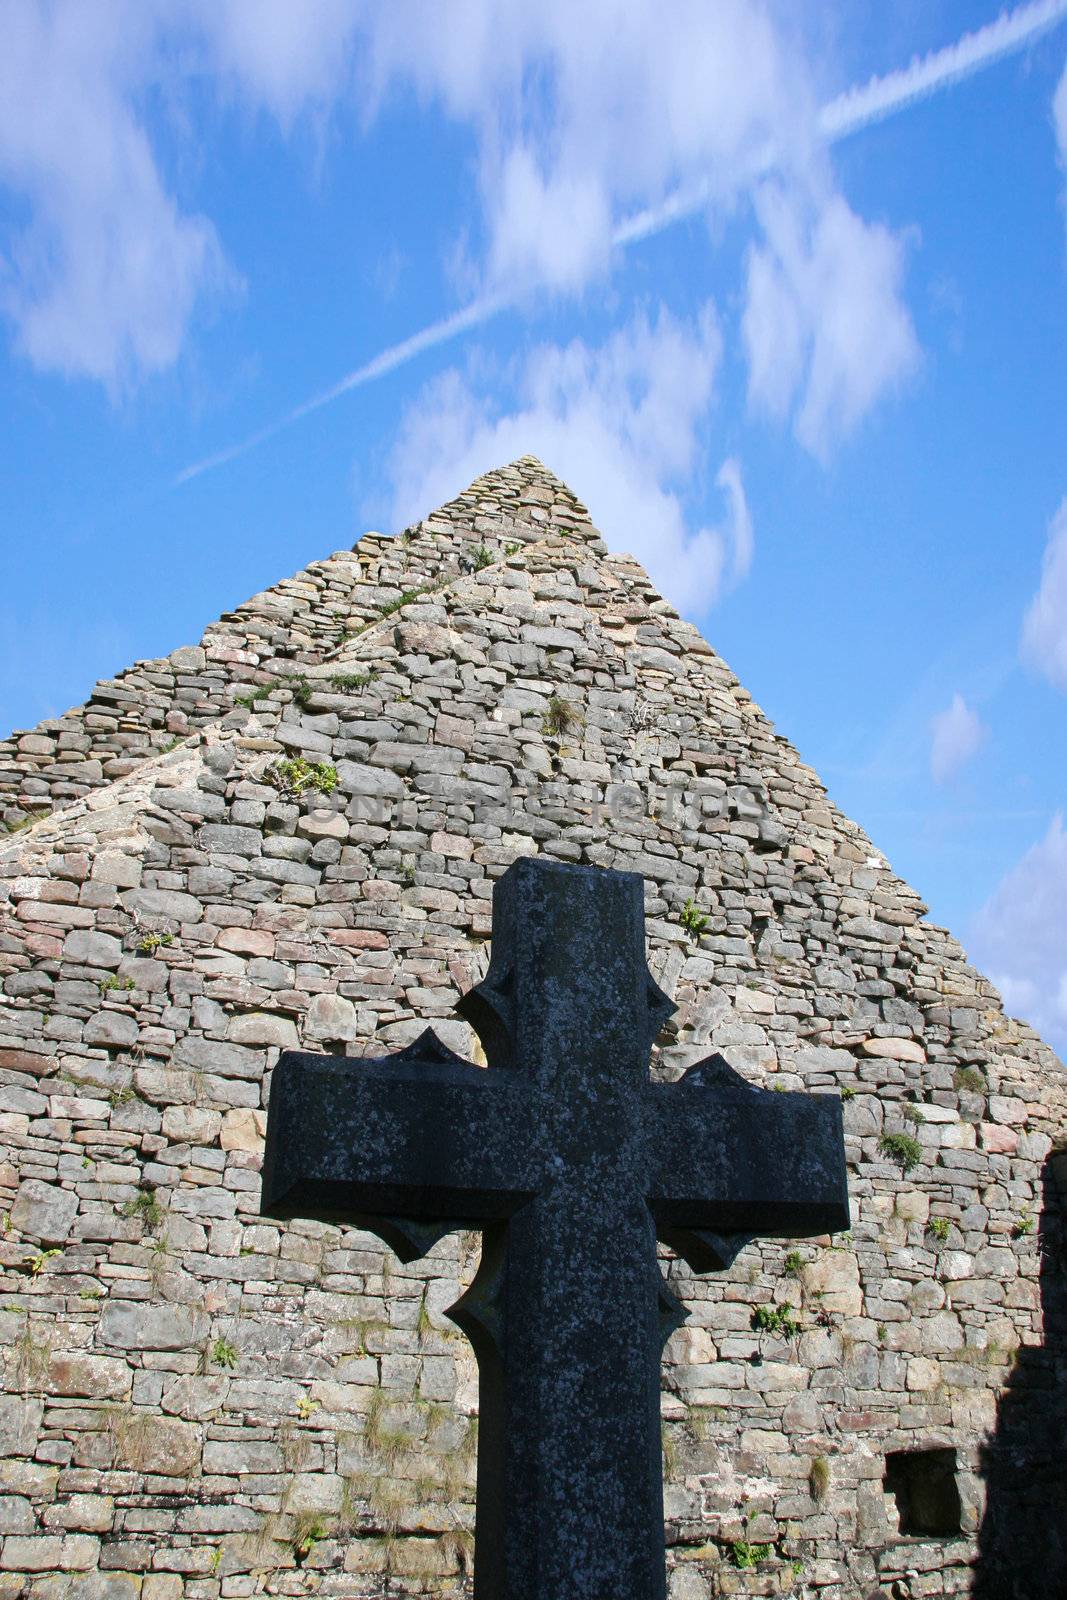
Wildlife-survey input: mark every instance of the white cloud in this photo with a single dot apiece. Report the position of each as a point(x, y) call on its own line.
point(1020, 937)
point(455, 71)
point(103, 279)
point(956, 735)
point(281, 57)
point(610, 96)
point(1059, 123)
point(1044, 642)
point(571, 134)
point(556, 228)
point(106, 277)
point(620, 423)
point(579, 115)
point(107, 272)
point(824, 326)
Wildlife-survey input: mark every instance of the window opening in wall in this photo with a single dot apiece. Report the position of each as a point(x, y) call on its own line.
point(923, 1484)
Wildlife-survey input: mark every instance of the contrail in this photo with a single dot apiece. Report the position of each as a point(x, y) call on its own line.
point(857, 108)
point(471, 316)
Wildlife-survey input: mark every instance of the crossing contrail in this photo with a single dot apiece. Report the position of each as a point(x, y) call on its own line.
point(857, 108)
point(1012, 30)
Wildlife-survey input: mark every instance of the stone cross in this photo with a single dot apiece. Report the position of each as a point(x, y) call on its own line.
point(571, 1161)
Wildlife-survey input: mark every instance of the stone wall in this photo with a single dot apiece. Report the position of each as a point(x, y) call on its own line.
point(198, 1403)
point(301, 622)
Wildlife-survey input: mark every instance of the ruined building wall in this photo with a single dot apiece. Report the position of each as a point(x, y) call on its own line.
point(301, 622)
point(201, 1404)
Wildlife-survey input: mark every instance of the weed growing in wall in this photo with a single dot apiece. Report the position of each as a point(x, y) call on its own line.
point(145, 1205)
point(746, 1556)
point(348, 682)
point(819, 1479)
point(779, 1320)
point(297, 776)
point(901, 1147)
point(224, 1354)
point(560, 718)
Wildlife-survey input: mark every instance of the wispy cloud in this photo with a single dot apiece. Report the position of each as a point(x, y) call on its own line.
point(825, 328)
point(1044, 641)
point(625, 419)
point(105, 274)
point(1020, 937)
point(105, 269)
point(956, 735)
point(1059, 122)
point(758, 155)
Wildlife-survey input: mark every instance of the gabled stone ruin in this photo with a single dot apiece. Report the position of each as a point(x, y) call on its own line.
point(288, 834)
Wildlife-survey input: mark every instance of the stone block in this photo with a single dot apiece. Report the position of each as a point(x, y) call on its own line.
point(934, 1113)
point(91, 949)
point(191, 1124)
point(188, 658)
point(162, 1446)
point(223, 1059)
point(20, 1422)
point(117, 868)
point(895, 1049)
point(133, 1325)
point(263, 1027)
point(243, 1129)
point(162, 1586)
point(116, 1030)
point(803, 1414)
point(834, 1277)
point(172, 904)
point(195, 1396)
point(913, 1205)
point(358, 778)
point(82, 1513)
point(246, 941)
point(44, 1212)
point(16, 1516)
point(998, 1139)
point(323, 825)
point(33, 1553)
point(241, 1457)
point(107, 1585)
point(228, 839)
point(314, 1491)
point(330, 1016)
point(453, 846)
point(1006, 1109)
point(76, 1372)
point(959, 1136)
point(940, 1334)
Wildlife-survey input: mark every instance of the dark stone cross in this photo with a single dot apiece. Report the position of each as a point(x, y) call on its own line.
point(571, 1161)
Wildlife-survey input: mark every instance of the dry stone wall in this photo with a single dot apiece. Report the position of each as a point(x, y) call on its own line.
point(198, 1403)
point(301, 622)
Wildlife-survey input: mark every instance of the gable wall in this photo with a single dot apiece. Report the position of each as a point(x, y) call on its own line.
point(163, 937)
point(300, 622)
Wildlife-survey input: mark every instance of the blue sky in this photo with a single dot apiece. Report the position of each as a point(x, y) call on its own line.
point(819, 388)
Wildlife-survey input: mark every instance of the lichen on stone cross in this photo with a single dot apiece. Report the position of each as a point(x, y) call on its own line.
point(571, 1161)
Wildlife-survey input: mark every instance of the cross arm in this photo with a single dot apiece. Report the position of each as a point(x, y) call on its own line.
point(422, 1136)
point(732, 1161)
